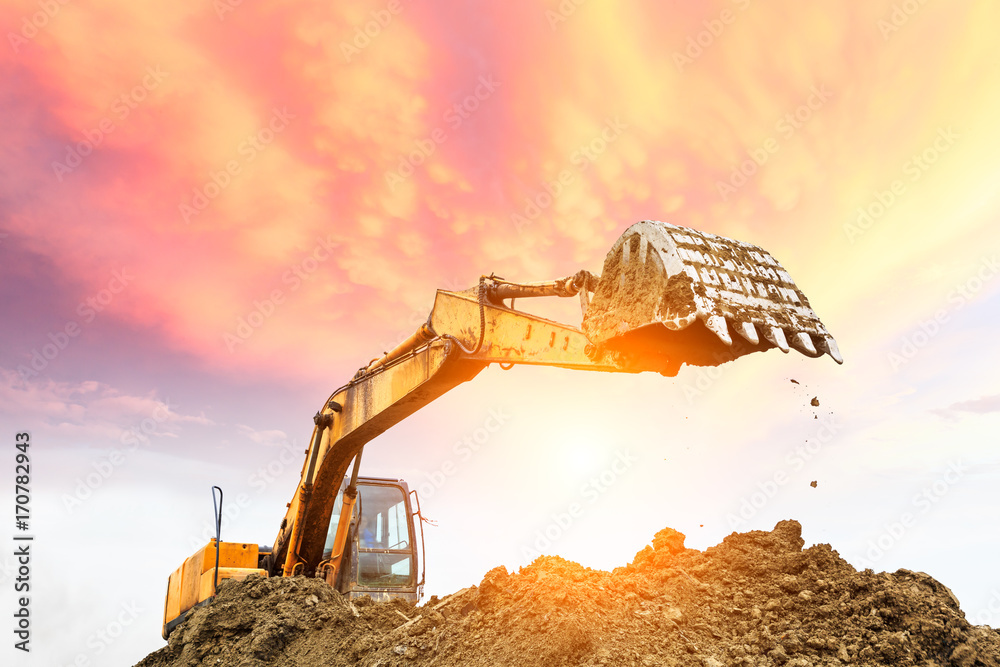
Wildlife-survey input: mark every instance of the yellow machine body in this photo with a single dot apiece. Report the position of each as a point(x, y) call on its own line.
point(194, 581)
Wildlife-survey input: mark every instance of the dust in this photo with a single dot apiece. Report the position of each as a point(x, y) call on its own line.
point(758, 598)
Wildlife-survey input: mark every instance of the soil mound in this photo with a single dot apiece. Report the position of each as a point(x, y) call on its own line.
point(757, 599)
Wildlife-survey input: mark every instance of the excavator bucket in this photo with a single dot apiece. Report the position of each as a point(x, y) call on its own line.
point(685, 296)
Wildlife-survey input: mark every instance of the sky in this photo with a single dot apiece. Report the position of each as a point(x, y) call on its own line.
point(213, 213)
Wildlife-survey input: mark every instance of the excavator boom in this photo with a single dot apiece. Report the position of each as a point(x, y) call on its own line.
point(465, 332)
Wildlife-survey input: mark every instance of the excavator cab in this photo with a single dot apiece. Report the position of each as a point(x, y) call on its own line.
point(381, 554)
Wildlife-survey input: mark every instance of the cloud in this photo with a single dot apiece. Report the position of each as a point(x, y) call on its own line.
point(89, 410)
point(270, 438)
point(979, 406)
point(281, 135)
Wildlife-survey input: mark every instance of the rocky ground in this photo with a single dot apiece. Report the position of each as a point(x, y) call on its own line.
point(758, 598)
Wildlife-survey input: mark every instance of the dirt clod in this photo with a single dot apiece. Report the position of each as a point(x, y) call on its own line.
point(758, 598)
point(814, 402)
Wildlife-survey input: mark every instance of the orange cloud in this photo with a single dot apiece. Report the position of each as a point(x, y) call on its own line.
point(339, 163)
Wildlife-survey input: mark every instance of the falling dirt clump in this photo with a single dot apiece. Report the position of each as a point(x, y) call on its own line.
point(814, 402)
point(758, 598)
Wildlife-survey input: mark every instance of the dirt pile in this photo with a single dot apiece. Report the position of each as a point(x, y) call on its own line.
point(756, 599)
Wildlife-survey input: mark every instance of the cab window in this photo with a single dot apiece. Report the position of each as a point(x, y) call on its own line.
point(384, 543)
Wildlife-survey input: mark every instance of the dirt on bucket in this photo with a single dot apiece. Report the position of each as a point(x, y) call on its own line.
point(758, 598)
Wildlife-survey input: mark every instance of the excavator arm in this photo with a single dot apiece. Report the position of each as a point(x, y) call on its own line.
point(465, 332)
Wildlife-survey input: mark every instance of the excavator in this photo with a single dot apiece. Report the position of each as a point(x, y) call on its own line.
point(667, 296)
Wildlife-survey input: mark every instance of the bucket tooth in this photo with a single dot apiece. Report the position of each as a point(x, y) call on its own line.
point(804, 344)
point(717, 325)
point(777, 337)
point(828, 345)
point(748, 331)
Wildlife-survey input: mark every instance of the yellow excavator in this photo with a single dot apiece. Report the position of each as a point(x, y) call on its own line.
point(667, 296)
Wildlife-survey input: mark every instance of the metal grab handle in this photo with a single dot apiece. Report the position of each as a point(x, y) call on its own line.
point(218, 534)
point(423, 550)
